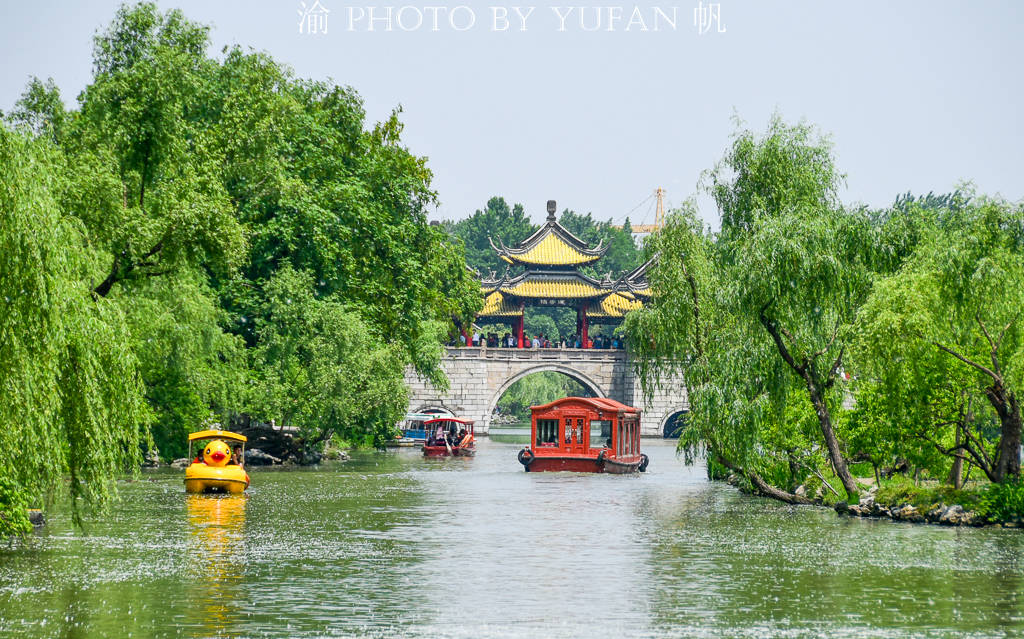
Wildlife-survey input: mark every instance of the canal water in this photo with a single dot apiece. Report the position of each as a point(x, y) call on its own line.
point(394, 545)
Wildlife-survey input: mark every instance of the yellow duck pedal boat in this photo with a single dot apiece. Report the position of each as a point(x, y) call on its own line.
point(215, 470)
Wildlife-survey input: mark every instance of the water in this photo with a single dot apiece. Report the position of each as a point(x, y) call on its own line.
point(390, 544)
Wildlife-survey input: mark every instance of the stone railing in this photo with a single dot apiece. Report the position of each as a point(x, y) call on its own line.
point(538, 354)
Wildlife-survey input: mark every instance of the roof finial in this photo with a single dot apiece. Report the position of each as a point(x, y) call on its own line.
point(552, 207)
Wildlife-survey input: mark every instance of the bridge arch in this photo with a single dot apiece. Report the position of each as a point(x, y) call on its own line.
point(568, 371)
point(669, 427)
point(436, 407)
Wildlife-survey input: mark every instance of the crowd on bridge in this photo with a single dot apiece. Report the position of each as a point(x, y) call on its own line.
point(508, 340)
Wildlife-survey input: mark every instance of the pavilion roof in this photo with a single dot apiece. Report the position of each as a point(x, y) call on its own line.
point(568, 284)
point(615, 306)
point(551, 245)
point(495, 305)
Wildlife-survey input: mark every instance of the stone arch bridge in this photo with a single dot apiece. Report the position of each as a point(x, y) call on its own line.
point(479, 376)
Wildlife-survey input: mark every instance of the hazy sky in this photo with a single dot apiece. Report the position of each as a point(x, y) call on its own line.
point(916, 95)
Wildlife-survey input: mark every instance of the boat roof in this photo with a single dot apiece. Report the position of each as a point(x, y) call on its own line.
point(597, 403)
point(420, 417)
point(469, 422)
point(222, 434)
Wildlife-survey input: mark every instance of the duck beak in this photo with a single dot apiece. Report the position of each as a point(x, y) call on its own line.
point(217, 456)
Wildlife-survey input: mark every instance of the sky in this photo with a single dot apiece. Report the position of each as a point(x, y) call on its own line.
point(916, 95)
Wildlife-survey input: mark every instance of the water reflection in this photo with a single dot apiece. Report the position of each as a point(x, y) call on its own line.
point(215, 562)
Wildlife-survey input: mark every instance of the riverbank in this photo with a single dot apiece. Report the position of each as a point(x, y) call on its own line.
point(903, 499)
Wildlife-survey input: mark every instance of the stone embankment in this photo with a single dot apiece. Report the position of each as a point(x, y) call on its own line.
point(941, 514)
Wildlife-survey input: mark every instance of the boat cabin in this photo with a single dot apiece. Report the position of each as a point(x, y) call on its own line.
point(448, 436)
point(584, 434)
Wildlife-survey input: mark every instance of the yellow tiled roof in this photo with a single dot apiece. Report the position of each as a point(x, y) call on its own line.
point(552, 250)
point(615, 305)
point(569, 288)
point(495, 305)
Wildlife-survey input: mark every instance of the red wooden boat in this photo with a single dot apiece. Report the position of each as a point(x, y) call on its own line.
point(449, 437)
point(584, 435)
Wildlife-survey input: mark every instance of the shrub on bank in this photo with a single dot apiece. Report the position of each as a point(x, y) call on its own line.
point(1002, 502)
point(902, 490)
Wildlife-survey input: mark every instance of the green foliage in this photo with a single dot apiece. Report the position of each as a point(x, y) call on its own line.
point(901, 490)
point(941, 339)
point(622, 254)
point(1003, 502)
point(193, 372)
point(70, 399)
point(41, 110)
point(497, 222)
point(321, 369)
point(14, 505)
point(536, 323)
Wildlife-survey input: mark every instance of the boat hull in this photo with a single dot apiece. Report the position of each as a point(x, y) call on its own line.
point(442, 451)
point(200, 478)
point(571, 463)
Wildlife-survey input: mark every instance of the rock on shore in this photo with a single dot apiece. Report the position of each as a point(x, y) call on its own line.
point(941, 514)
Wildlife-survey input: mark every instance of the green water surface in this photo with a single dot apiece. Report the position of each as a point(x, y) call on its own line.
point(394, 545)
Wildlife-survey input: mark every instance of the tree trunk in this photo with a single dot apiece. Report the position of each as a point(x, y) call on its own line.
point(805, 370)
point(1008, 454)
point(956, 471)
point(762, 486)
point(831, 441)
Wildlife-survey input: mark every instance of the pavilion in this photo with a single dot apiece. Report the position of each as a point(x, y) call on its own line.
point(550, 260)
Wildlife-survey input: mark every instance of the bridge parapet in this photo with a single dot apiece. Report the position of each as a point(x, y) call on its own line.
point(478, 376)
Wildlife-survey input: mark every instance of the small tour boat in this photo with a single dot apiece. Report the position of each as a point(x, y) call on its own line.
point(449, 437)
point(585, 435)
point(413, 433)
point(215, 469)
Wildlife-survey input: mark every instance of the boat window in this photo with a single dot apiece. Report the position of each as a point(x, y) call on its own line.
point(568, 430)
point(547, 431)
point(600, 432)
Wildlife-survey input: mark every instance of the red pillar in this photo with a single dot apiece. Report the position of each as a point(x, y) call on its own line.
point(462, 329)
point(519, 330)
point(583, 335)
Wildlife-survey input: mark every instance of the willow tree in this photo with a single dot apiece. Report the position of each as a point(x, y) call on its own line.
point(70, 400)
point(776, 290)
point(951, 318)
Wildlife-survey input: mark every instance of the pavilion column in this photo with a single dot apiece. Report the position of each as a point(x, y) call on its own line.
point(519, 329)
point(583, 322)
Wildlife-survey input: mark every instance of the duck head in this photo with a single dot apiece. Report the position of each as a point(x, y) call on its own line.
point(216, 453)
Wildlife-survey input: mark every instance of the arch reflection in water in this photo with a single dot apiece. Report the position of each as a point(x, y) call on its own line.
point(216, 559)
